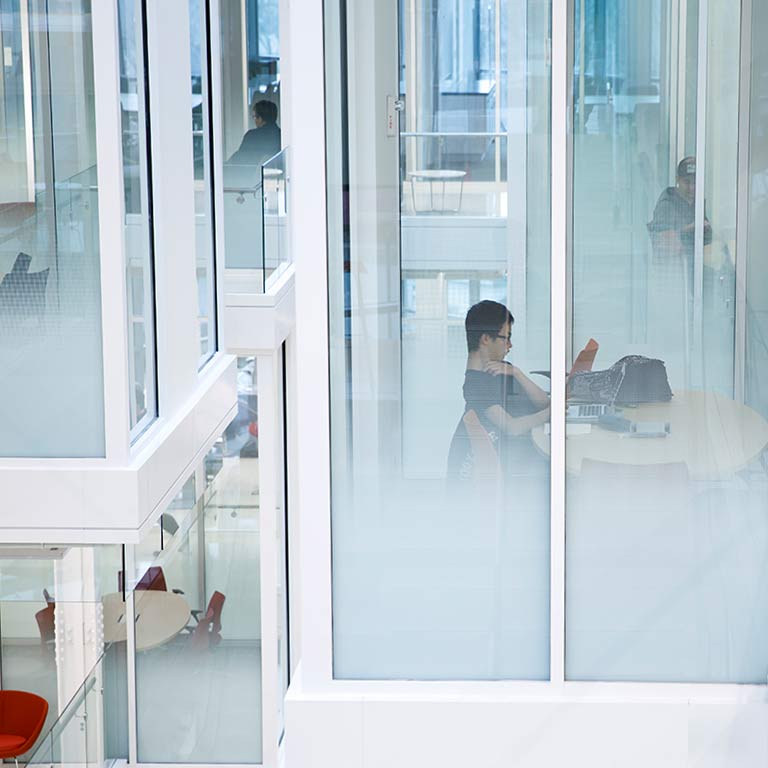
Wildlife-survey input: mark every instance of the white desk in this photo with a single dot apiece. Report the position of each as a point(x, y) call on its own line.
point(712, 434)
point(160, 616)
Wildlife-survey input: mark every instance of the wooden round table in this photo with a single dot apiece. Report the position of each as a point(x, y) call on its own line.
point(712, 434)
point(160, 616)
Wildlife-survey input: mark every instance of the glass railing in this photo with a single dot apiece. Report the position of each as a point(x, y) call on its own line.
point(276, 248)
point(85, 732)
point(256, 242)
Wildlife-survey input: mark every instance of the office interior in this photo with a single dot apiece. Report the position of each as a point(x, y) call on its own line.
point(251, 363)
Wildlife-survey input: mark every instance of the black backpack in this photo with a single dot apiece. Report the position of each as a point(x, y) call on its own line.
point(633, 379)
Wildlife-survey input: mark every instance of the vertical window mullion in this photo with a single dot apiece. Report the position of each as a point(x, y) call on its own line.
point(562, 34)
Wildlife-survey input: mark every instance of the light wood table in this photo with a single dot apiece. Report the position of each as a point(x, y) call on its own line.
point(160, 616)
point(712, 434)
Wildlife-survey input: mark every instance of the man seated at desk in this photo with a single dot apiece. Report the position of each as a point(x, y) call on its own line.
point(507, 403)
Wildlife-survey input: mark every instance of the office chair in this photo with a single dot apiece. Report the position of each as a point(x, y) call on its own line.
point(22, 716)
point(207, 632)
point(153, 580)
point(46, 625)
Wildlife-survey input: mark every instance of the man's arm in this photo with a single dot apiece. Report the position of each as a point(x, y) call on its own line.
point(533, 391)
point(516, 425)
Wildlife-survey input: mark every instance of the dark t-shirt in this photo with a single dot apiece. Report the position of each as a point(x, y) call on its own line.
point(481, 392)
point(673, 213)
point(258, 146)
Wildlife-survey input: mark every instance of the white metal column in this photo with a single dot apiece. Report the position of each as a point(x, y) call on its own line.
point(562, 37)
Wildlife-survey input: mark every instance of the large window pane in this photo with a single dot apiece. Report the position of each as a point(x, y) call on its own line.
point(666, 535)
point(201, 139)
point(138, 216)
point(51, 389)
point(440, 497)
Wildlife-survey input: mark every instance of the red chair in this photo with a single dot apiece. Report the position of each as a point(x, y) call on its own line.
point(207, 633)
point(153, 580)
point(22, 716)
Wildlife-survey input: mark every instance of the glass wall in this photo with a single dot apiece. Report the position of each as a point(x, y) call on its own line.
point(198, 631)
point(201, 139)
point(437, 225)
point(51, 391)
point(666, 535)
point(137, 230)
point(250, 107)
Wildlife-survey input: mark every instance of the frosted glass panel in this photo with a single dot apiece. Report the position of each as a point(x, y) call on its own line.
point(666, 534)
point(440, 496)
point(51, 391)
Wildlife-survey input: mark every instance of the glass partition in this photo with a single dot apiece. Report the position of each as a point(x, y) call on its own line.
point(438, 267)
point(666, 535)
point(137, 228)
point(50, 298)
point(205, 259)
point(275, 233)
point(197, 634)
point(250, 106)
point(75, 736)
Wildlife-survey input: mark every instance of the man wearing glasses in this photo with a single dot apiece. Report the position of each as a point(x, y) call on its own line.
point(507, 403)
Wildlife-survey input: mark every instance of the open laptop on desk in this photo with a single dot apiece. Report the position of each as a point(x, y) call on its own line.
point(589, 413)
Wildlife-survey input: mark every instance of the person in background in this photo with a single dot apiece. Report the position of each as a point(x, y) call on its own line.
point(263, 141)
point(673, 223)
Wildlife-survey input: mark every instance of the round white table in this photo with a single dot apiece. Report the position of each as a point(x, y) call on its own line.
point(438, 175)
point(160, 616)
point(712, 434)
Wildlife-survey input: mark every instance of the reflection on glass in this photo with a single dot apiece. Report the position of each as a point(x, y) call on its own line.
point(50, 303)
point(198, 635)
point(137, 226)
point(250, 106)
point(201, 141)
point(440, 496)
point(666, 535)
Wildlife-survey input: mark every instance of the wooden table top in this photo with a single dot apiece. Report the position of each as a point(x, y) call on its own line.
point(160, 616)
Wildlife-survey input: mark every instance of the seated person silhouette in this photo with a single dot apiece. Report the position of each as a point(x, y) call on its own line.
point(673, 223)
point(261, 142)
point(22, 293)
point(505, 402)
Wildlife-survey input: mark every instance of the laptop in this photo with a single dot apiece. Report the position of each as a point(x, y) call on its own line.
point(589, 413)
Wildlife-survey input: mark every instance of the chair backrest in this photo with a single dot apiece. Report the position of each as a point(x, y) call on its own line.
point(46, 623)
point(22, 714)
point(215, 605)
point(152, 580)
point(586, 357)
point(47, 596)
point(486, 465)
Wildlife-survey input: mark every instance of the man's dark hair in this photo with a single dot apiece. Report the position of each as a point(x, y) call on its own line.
point(485, 317)
point(266, 110)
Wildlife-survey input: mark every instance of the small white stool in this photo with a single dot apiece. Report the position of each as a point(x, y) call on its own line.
point(431, 177)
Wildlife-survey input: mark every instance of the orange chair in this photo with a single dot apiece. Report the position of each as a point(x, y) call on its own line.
point(207, 633)
point(22, 716)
